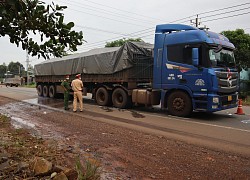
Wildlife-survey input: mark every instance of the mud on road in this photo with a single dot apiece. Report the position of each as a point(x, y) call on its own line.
point(123, 153)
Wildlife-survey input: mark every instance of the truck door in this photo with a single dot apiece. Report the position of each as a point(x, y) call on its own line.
point(180, 71)
point(169, 69)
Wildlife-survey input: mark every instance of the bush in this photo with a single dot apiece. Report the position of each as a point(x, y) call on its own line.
point(244, 90)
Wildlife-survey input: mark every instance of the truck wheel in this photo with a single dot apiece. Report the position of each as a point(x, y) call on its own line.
point(39, 90)
point(52, 91)
point(120, 98)
point(45, 91)
point(179, 104)
point(102, 97)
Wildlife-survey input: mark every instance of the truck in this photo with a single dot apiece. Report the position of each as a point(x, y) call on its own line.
point(12, 80)
point(187, 69)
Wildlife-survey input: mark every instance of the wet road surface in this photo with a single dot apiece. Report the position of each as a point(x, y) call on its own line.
point(222, 130)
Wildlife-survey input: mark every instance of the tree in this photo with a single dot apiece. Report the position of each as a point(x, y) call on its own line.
point(120, 42)
point(3, 69)
point(19, 18)
point(241, 40)
point(15, 68)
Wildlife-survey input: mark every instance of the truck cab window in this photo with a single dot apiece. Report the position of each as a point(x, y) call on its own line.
point(179, 54)
point(223, 58)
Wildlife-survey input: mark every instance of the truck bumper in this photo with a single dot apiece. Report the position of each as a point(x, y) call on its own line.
point(218, 103)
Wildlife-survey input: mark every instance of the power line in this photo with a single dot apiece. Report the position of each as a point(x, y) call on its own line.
point(224, 8)
point(131, 34)
point(137, 24)
point(203, 21)
point(121, 10)
point(95, 9)
point(226, 12)
point(139, 32)
point(226, 17)
point(107, 18)
point(101, 30)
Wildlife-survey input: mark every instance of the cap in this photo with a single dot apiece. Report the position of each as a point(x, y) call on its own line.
point(78, 75)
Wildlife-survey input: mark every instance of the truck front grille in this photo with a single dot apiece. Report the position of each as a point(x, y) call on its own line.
point(227, 82)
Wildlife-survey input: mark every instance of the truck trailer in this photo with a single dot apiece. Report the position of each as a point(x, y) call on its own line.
point(187, 69)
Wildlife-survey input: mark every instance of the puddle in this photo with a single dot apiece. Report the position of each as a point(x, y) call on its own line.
point(19, 123)
point(136, 114)
point(44, 101)
point(21, 116)
point(246, 121)
point(107, 109)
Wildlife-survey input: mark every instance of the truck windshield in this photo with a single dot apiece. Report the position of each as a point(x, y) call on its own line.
point(223, 58)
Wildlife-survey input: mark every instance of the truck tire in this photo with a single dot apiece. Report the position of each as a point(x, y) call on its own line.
point(39, 90)
point(45, 91)
point(102, 97)
point(52, 91)
point(120, 98)
point(179, 104)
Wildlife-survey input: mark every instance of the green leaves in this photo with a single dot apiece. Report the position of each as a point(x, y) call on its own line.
point(19, 18)
point(120, 42)
point(241, 41)
point(70, 25)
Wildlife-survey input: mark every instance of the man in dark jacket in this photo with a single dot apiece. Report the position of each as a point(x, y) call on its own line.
point(66, 86)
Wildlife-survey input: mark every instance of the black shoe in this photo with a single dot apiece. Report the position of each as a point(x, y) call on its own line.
point(66, 109)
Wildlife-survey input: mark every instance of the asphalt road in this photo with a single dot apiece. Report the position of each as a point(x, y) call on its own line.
point(221, 130)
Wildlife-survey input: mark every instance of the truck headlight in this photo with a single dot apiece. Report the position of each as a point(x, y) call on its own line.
point(214, 106)
point(215, 100)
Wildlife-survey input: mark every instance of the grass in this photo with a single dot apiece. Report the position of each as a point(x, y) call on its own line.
point(4, 119)
point(246, 101)
point(30, 85)
point(88, 172)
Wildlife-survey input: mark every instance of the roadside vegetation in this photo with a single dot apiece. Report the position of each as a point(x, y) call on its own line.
point(246, 101)
point(20, 153)
point(88, 171)
point(31, 85)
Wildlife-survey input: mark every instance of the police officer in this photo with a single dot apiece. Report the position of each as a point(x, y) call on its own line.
point(66, 86)
point(77, 87)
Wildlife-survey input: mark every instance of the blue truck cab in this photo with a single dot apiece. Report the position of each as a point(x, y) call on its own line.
point(194, 70)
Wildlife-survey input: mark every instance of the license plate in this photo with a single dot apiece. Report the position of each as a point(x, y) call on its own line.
point(229, 98)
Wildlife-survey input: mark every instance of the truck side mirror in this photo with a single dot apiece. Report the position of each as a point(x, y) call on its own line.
point(195, 56)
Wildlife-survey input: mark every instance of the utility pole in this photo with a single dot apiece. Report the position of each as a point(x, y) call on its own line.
point(196, 22)
point(27, 65)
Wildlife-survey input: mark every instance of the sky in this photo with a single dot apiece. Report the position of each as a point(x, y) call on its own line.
point(109, 20)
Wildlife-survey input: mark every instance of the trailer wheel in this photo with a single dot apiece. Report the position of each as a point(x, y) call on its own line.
point(179, 104)
point(52, 91)
point(120, 98)
point(39, 90)
point(102, 97)
point(45, 91)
